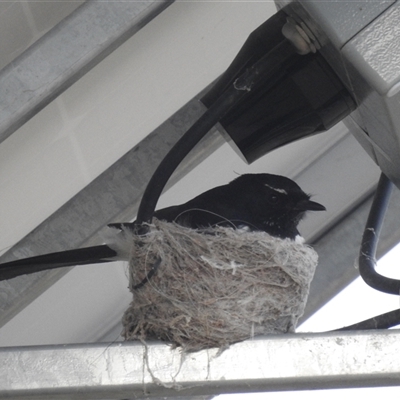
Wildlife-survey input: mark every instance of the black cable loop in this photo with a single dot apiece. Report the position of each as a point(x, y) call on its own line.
point(265, 71)
point(367, 260)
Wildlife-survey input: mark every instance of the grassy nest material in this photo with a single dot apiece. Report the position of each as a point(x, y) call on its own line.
point(215, 287)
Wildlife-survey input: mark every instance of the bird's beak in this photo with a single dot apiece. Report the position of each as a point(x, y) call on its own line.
point(308, 205)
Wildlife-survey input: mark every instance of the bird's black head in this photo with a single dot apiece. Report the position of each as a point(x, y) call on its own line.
point(275, 203)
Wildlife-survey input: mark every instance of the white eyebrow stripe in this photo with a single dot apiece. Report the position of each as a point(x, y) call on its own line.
point(283, 191)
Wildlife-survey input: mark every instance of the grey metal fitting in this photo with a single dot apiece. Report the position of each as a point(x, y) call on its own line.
point(304, 41)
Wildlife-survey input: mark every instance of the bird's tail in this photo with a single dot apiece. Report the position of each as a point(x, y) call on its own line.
point(69, 258)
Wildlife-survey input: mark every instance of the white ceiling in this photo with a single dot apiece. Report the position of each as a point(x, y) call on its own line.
point(107, 112)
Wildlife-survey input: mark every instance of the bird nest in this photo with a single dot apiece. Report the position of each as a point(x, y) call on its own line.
point(216, 287)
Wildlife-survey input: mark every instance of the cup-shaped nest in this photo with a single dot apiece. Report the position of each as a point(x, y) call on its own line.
point(215, 287)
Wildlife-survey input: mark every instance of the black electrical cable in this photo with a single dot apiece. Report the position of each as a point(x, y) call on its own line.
point(370, 238)
point(150, 274)
point(262, 72)
point(383, 321)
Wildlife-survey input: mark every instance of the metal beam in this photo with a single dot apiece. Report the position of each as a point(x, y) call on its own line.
point(135, 370)
point(66, 53)
point(113, 196)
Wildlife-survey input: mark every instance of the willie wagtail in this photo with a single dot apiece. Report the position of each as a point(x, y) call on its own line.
point(256, 202)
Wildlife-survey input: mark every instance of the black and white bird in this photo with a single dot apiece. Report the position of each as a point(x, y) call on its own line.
point(255, 202)
point(258, 202)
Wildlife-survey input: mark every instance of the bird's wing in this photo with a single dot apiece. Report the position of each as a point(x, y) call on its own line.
point(203, 212)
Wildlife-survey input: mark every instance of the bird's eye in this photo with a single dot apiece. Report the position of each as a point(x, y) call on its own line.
point(273, 199)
